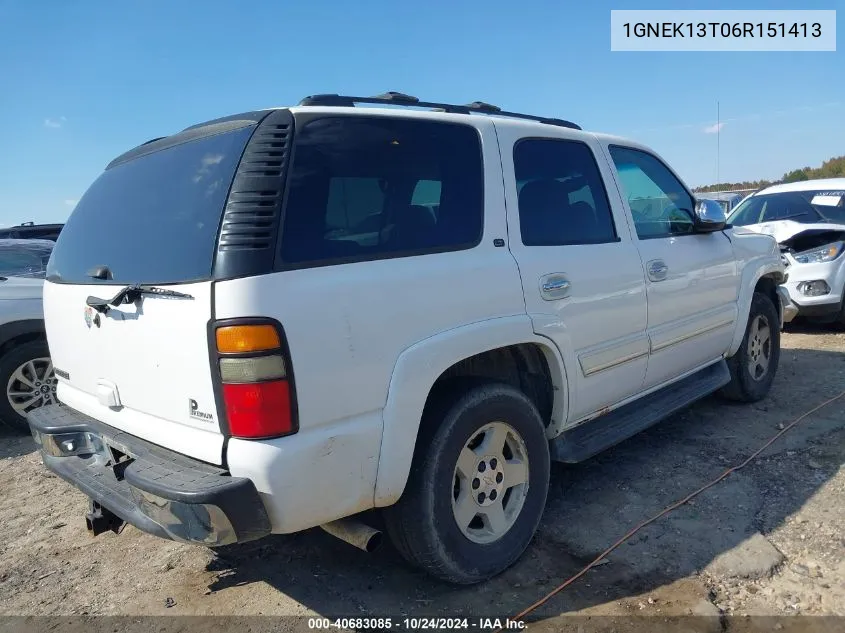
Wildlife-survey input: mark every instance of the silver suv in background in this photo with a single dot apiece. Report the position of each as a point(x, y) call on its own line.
point(26, 373)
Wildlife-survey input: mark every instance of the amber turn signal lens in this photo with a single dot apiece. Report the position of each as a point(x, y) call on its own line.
point(237, 339)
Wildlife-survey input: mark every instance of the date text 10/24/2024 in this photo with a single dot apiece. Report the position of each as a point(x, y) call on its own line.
point(416, 624)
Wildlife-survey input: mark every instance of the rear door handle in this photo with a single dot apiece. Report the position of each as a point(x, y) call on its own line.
point(554, 286)
point(657, 270)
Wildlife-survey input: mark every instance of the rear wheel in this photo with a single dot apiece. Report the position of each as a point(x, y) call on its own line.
point(840, 318)
point(755, 363)
point(26, 373)
point(477, 487)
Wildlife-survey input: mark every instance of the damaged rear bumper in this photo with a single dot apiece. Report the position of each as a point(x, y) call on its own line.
point(156, 490)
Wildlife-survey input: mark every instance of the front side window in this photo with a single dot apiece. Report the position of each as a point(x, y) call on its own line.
point(562, 200)
point(660, 205)
point(373, 187)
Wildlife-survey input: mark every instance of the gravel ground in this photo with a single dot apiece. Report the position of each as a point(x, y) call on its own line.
point(767, 541)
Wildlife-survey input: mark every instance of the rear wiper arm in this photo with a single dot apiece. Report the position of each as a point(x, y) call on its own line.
point(132, 293)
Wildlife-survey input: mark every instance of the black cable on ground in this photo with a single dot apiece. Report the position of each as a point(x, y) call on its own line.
point(669, 509)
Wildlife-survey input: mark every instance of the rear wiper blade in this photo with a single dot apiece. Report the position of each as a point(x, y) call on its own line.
point(132, 293)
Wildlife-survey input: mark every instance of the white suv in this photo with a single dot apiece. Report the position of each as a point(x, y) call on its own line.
point(284, 318)
point(808, 220)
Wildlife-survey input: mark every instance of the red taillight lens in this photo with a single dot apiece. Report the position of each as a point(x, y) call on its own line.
point(258, 410)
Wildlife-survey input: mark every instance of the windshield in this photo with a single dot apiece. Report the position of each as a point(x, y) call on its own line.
point(24, 258)
point(153, 219)
point(807, 207)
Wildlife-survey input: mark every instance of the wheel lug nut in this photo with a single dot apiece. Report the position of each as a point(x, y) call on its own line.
point(499, 478)
point(492, 495)
point(493, 463)
point(475, 483)
point(482, 467)
point(481, 497)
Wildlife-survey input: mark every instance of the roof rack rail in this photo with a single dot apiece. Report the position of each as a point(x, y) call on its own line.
point(400, 99)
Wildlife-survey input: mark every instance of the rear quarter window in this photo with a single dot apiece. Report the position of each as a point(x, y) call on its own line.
point(374, 187)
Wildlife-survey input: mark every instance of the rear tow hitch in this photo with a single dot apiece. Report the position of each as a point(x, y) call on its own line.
point(100, 519)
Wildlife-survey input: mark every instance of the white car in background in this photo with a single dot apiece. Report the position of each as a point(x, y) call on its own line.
point(808, 221)
point(26, 373)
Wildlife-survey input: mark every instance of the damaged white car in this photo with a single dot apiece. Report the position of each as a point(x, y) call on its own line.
point(808, 221)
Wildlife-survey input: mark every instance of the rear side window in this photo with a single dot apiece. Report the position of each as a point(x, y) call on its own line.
point(373, 187)
point(562, 200)
point(153, 219)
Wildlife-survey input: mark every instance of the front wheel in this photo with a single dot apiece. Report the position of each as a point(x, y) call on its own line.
point(755, 363)
point(477, 487)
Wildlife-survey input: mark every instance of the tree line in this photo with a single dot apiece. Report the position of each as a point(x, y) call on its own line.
point(832, 168)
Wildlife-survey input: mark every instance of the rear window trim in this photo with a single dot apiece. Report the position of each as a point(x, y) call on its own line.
point(302, 120)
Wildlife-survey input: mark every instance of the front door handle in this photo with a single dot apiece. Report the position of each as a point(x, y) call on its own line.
point(657, 270)
point(554, 286)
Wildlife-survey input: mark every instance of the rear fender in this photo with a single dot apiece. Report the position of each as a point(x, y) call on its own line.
point(418, 368)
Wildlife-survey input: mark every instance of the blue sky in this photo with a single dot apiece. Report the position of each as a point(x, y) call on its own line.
point(83, 81)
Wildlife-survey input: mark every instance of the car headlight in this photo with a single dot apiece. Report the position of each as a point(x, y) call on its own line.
point(826, 253)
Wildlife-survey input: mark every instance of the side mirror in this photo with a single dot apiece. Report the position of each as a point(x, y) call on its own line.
point(709, 216)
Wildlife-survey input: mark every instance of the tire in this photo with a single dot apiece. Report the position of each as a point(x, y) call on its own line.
point(18, 357)
point(423, 524)
point(748, 383)
point(840, 318)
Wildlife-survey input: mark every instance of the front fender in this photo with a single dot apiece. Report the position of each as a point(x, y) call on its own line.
point(418, 368)
point(757, 259)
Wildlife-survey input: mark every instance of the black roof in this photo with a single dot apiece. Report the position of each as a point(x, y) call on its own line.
point(235, 121)
point(34, 225)
point(400, 99)
point(32, 230)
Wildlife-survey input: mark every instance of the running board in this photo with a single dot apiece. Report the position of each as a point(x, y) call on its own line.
point(592, 437)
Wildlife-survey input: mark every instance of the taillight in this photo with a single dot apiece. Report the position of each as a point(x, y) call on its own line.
point(257, 389)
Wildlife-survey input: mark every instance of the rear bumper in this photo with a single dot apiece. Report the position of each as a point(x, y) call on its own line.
point(156, 490)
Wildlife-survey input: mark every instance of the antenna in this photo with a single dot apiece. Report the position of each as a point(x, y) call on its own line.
point(718, 133)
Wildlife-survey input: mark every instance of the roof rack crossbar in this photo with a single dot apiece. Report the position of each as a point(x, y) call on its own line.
point(400, 99)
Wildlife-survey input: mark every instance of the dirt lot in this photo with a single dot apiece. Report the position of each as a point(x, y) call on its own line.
point(769, 540)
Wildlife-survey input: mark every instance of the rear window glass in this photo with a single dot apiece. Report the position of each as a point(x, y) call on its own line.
point(367, 188)
point(153, 219)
